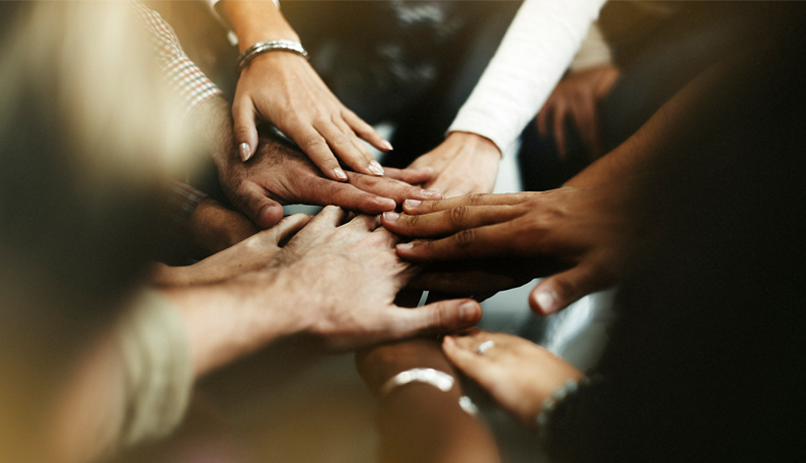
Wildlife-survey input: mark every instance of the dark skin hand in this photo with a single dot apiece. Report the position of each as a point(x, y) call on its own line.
point(584, 231)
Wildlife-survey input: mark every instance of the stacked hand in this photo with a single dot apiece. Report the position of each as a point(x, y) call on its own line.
point(278, 174)
point(583, 230)
point(519, 374)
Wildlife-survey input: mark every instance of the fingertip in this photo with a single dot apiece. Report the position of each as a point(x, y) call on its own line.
point(385, 204)
point(470, 312)
point(411, 205)
point(269, 216)
point(339, 174)
point(245, 151)
point(375, 168)
point(543, 301)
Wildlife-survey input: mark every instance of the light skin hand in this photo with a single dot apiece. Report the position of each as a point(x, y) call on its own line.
point(278, 175)
point(332, 283)
point(251, 254)
point(519, 374)
point(283, 88)
point(583, 231)
point(578, 96)
point(464, 163)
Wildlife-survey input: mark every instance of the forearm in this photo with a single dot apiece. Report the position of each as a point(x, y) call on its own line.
point(418, 422)
point(227, 321)
point(255, 21)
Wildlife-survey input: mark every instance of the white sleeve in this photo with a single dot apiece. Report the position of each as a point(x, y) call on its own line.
point(593, 52)
point(535, 52)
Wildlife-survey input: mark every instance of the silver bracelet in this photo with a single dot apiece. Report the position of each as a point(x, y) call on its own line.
point(267, 46)
point(436, 378)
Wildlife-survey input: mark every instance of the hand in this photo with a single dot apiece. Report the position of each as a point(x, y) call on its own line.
point(213, 228)
point(250, 254)
point(578, 96)
point(279, 175)
point(585, 231)
point(464, 163)
point(283, 88)
point(344, 280)
point(519, 374)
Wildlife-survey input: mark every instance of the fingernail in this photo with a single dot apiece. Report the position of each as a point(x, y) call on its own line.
point(434, 194)
point(386, 145)
point(467, 312)
point(385, 204)
point(405, 246)
point(375, 168)
point(246, 153)
point(412, 202)
point(546, 301)
point(340, 173)
point(390, 216)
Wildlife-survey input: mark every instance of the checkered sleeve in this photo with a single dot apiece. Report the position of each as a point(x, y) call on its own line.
point(187, 81)
point(181, 202)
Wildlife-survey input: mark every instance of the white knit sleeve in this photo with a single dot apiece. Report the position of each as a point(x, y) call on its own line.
point(535, 52)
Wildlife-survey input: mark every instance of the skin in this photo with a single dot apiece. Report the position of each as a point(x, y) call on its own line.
point(577, 97)
point(464, 163)
point(581, 231)
point(517, 373)
point(283, 88)
point(278, 174)
point(333, 284)
point(418, 422)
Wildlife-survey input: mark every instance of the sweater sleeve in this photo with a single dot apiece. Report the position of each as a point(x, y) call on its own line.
point(535, 52)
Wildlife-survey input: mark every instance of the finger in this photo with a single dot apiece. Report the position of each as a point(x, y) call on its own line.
point(323, 191)
point(264, 212)
point(469, 362)
point(438, 317)
point(444, 223)
point(366, 222)
point(287, 227)
point(344, 148)
point(365, 131)
point(389, 188)
point(372, 164)
point(559, 291)
point(244, 130)
point(416, 207)
point(559, 129)
point(487, 241)
point(330, 216)
point(316, 147)
point(410, 175)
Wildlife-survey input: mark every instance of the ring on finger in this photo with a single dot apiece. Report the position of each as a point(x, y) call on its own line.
point(484, 347)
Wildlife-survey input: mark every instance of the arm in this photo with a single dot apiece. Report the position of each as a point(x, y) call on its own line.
point(418, 422)
point(533, 55)
point(283, 88)
point(332, 283)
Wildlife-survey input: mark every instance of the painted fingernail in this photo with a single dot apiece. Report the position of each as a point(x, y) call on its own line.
point(546, 301)
point(390, 216)
point(467, 312)
point(245, 152)
point(412, 202)
point(405, 246)
point(386, 145)
point(375, 168)
point(340, 173)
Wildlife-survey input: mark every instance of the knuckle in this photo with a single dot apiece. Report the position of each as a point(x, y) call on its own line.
point(475, 199)
point(314, 141)
point(458, 215)
point(465, 238)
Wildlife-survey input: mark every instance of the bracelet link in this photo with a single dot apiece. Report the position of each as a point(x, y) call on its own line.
point(267, 46)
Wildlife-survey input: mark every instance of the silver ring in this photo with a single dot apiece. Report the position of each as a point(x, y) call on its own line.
point(484, 347)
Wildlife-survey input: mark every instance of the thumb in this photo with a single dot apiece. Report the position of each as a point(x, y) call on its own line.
point(438, 317)
point(561, 290)
point(244, 130)
point(263, 211)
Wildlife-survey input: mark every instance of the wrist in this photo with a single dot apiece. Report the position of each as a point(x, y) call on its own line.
point(476, 142)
